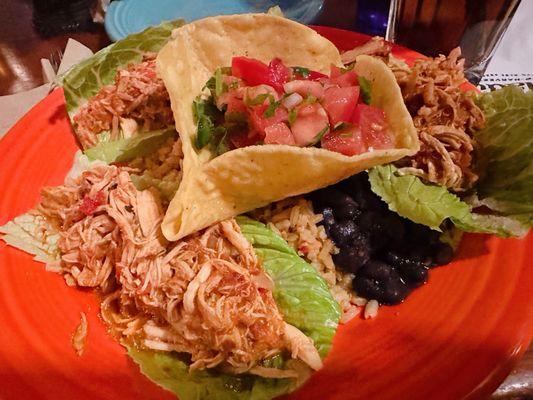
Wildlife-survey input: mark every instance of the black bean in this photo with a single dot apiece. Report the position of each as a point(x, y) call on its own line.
point(442, 254)
point(329, 197)
point(343, 233)
point(349, 259)
point(413, 274)
point(348, 211)
point(377, 280)
point(327, 214)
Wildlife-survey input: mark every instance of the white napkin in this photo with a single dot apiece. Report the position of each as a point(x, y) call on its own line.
point(14, 106)
point(512, 61)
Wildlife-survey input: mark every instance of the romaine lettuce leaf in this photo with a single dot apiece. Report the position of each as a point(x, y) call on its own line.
point(172, 373)
point(505, 153)
point(422, 203)
point(25, 233)
point(430, 204)
point(126, 149)
point(86, 78)
point(300, 292)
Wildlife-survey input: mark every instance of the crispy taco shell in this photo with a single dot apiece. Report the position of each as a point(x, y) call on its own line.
point(214, 189)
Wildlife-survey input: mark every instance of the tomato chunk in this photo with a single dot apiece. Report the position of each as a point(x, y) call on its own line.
point(89, 204)
point(310, 122)
point(373, 125)
point(279, 134)
point(340, 103)
point(252, 71)
point(258, 121)
point(348, 141)
point(278, 74)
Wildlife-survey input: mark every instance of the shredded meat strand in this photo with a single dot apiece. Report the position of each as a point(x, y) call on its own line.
point(377, 46)
point(206, 295)
point(79, 337)
point(137, 98)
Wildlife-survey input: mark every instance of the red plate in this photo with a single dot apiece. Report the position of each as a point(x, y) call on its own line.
point(457, 337)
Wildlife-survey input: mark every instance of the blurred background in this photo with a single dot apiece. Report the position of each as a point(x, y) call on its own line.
point(35, 29)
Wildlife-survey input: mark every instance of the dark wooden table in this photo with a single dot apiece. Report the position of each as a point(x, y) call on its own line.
point(21, 49)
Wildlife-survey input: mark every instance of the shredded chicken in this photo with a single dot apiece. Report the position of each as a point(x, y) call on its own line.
point(377, 46)
point(445, 116)
point(137, 100)
point(79, 337)
point(206, 295)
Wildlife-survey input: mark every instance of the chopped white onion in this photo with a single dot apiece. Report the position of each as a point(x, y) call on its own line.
point(292, 100)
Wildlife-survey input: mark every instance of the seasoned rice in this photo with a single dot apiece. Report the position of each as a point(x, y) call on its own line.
point(295, 221)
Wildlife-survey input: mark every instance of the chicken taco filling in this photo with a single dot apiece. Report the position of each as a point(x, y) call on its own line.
point(253, 103)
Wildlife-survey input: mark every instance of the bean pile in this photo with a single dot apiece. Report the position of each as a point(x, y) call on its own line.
point(389, 255)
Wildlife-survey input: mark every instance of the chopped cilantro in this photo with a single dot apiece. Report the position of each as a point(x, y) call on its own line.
point(366, 89)
point(309, 100)
point(219, 83)
point(271, 109)
point(319, 135)
point(259, 99)
point(292, 116)
point(302, 71)
point(347, 68)
point(341, 125)
point(205, 115)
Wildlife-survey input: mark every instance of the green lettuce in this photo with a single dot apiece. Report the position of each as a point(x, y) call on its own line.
point(86, 78)
point(302, 297)
point(430, 205)
point(300, 292)
point(171, 372)
point(126, 149)
point(505, 153)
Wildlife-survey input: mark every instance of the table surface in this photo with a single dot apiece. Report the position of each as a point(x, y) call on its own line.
point(21, 49)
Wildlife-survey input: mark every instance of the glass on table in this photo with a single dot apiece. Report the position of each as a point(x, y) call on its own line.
point(435, 27)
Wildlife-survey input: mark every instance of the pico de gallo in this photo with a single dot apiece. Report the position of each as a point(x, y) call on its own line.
point(254, 103)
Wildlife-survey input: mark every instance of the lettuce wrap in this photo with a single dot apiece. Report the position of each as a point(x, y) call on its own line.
point(502, 201)
point(87, 78)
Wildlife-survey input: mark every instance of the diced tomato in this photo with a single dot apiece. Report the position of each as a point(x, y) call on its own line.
point(89, 204)
point(252, 71)
point(373, 126)
point(315, 75)
point(311, 120)
point(305, 88)
point(258, 121)
point(278, 74)
point(348, 141)
point(245, 139)
point(234, 102)
point(343, 78)
point(334, 71)
point(255, 72)
point(340, 103)
point(279, 134)
point(311, 76)
point(348, 78)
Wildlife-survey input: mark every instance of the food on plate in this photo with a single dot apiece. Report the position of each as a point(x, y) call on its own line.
point(213, 303)
point(215, 298)
point(219, 186)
